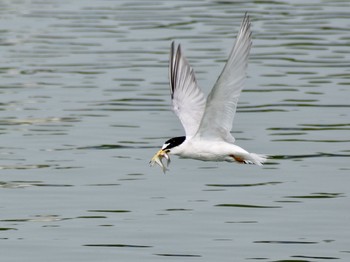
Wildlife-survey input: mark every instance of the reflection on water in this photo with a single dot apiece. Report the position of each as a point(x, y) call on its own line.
point(85, 101)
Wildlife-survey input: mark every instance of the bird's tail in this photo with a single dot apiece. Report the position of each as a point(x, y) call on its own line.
point(257, 159)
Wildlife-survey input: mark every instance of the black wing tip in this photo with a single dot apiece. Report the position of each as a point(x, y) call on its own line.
point(175, 56)
point(246, 17)
point(172, 46)
point(245, 29)
point(246, 24)
point(171, 68)
point(246, 20)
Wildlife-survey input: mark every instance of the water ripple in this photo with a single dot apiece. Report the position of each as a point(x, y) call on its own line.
point(319, 195)
point(308, 156)
point(244, 185)
point(23, 184)
point(288, 242)
point(316, 257)
point(245, 206)
point(176, 255)
point(117, 245)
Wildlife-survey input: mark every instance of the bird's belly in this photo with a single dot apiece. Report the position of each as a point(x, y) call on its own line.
point(211, 151)
point(204, 156)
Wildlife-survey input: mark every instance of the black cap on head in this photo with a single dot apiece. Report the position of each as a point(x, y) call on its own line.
point(173, 142)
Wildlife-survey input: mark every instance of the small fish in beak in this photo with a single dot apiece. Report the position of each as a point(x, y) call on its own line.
point(157, 158)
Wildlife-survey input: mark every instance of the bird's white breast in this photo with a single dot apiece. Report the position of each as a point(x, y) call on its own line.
point(208, 150)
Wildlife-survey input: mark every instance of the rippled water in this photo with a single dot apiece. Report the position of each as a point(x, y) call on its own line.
point(85, 104)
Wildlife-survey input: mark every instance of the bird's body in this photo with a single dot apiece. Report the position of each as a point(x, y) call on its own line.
point(208, 121)
point(211, 150)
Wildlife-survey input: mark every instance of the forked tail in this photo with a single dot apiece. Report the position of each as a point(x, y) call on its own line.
point(257, 159)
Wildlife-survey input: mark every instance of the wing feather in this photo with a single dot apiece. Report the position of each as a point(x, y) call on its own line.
point(187, 98)
point(222, 101)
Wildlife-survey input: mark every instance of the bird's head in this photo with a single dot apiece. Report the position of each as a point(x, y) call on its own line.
point(166, 149)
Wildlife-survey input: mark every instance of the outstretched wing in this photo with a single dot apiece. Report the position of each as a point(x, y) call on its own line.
point(222, 100)
point(188, 100)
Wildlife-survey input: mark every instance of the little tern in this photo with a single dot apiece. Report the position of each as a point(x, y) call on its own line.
point(208, 121)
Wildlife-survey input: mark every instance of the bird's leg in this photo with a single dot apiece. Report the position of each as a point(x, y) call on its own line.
point(238, 159)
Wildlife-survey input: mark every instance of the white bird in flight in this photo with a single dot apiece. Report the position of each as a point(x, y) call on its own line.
point(208, 121)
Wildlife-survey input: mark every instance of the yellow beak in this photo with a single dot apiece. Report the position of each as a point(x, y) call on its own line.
point(157, 158)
